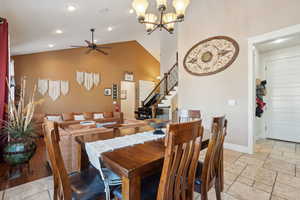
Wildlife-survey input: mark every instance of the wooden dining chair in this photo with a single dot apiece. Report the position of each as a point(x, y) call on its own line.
point(210, 172)
point(189, 115)
point(176, 181)
point(85, 185)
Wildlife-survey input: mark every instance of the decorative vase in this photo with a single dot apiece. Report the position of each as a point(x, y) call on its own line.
point(19, 151)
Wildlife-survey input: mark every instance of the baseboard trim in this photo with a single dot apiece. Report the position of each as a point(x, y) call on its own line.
point(236, 147)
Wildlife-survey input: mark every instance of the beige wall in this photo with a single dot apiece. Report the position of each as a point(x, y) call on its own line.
point(168, 50)
point(62, 65)
point(239, 19)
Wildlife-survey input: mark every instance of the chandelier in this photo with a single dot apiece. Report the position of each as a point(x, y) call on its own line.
point(166, 20)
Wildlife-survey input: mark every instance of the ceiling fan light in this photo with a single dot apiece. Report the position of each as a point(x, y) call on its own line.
point(149, 17)
point(161, 5)
point(140, 7)
point(180, 7)
point(169, 21)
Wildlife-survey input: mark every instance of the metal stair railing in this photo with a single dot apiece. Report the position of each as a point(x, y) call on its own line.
point(165, 86)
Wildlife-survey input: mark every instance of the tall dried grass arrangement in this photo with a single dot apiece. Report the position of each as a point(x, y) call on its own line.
point(19, 124)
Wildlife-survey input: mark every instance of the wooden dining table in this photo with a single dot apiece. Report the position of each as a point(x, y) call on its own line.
point(131, 163)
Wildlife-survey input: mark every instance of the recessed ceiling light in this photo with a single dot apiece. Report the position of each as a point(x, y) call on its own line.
point(71, 8)
point(58, 31)
point(109, 28)
point(50, 45)
point(131, 11)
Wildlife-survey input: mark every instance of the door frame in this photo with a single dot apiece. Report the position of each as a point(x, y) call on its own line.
point(252, 42)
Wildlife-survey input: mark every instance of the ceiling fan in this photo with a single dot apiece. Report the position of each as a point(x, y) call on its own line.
point(92, 46)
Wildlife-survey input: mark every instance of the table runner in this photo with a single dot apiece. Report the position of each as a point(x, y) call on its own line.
point(95, 149)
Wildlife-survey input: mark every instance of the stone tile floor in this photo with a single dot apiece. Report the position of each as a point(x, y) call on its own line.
point(271, 173)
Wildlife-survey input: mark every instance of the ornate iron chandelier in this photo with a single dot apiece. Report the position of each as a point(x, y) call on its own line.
point(166, 20)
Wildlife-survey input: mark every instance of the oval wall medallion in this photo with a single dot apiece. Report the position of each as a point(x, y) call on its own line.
point(211, 56)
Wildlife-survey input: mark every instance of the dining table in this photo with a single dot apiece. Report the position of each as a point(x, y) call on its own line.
point(131, 163)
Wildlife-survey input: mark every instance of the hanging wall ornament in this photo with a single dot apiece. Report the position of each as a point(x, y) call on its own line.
point(64, 87)
point(54, 89)
point(80, 77)
point(42, 86)
point(96, 79)
point(88, 80)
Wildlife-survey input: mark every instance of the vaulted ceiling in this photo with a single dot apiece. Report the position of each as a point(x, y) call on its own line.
point(33, 24)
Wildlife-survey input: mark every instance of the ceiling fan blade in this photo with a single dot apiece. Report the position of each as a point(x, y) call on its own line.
point(102, 51)
point(88, 42)
point(99, 46)
point(77, 46)
point(88, 51)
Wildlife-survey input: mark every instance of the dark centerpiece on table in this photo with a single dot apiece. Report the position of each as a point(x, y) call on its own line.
point(158, 126)
point(19, 128)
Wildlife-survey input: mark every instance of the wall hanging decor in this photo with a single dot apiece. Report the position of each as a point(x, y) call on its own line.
point(128, 76)
point(115, 91)
point(96, 78)
point(211, 56)
point(64, 87)
point(88, 80)
point(107, 91)
point(79, 77)
point(54, 89)
point(42, 86)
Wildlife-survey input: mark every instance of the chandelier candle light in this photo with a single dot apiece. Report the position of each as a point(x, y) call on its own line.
point(166, 21)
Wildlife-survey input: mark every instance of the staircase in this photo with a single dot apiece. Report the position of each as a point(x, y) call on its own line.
point(163, 93)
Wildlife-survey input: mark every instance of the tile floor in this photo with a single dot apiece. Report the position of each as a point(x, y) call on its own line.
point(272, 173)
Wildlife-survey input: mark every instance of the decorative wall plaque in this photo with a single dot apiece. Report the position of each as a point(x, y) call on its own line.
point(107, 91)
point(128, 76)
point(115, 91)
point(211, 56)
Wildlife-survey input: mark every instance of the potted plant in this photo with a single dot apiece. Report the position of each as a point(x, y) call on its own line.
point(19, 128)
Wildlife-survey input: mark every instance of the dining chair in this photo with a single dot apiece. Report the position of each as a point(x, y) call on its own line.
point(210, 172)
point(85, 185)
point(189, 115)
point(177, 179)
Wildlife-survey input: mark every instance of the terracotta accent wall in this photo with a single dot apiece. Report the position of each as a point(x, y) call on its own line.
point(63, 64)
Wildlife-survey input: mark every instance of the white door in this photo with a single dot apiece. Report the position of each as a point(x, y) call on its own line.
point(283, 91)
point(128, 99)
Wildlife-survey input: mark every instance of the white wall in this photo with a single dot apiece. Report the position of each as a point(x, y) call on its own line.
point(168, 50)
point(239, 19)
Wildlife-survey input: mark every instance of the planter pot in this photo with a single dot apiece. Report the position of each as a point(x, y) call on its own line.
point(19, 151)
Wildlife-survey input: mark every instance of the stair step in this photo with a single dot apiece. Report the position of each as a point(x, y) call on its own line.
point(164, 98)
point(163, 105)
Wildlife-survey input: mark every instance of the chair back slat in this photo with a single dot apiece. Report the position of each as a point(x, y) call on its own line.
point(183, 144)
point(62, 188)
point(213, 161)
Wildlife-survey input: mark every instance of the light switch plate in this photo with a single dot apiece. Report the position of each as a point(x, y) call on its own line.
point(232, 102)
